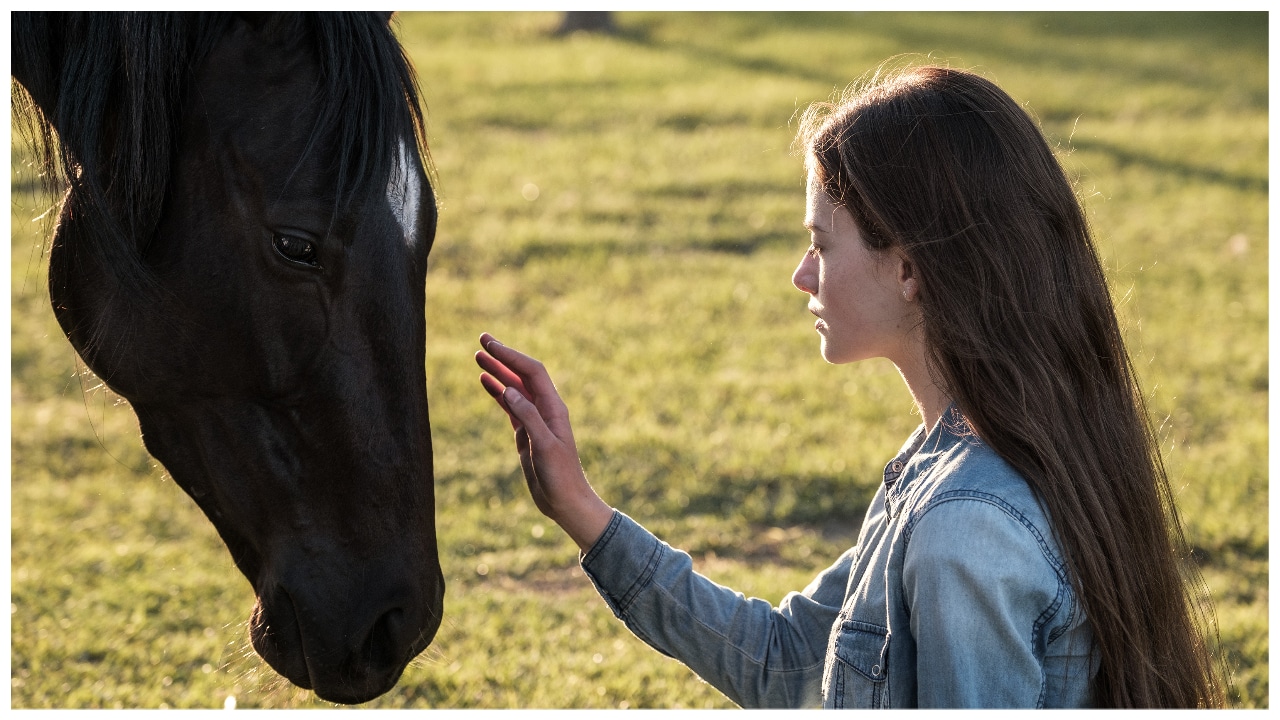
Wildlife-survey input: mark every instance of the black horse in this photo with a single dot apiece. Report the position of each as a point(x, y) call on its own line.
point(241, 254)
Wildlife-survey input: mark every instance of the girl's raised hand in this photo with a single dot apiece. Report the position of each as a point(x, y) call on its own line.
point(544, 439)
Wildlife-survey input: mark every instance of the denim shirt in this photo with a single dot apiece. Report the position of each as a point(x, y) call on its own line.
point(956, 595)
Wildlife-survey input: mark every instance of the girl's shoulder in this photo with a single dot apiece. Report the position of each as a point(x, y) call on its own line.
point(965, 490)
point(967, 464)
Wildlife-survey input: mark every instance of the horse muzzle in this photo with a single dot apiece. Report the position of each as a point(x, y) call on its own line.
point(347, 646)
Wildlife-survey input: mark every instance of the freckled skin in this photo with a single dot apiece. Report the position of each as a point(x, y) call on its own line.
point(856, 292)
point(866, 301)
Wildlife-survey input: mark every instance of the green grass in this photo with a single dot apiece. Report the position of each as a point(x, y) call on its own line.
point(651, 274)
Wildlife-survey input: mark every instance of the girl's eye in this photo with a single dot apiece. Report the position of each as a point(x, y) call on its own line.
point(295, 249)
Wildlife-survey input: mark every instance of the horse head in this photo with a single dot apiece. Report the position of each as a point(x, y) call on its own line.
point(241, 255)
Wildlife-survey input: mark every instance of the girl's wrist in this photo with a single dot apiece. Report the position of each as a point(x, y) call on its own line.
point(586, 521)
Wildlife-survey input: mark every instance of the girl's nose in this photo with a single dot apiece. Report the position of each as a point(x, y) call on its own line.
point(805, 277)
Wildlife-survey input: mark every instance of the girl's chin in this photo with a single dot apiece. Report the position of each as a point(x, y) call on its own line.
point(837, 355)
point(830, 353)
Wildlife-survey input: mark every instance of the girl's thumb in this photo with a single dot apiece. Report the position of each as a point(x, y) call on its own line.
point(519, 405)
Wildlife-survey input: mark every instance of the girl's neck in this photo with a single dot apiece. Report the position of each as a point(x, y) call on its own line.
point(931, 400)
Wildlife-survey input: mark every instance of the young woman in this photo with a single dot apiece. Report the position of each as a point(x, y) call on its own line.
point(1023, 549)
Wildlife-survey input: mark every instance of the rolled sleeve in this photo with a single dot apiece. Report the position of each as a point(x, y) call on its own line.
point(622, 561)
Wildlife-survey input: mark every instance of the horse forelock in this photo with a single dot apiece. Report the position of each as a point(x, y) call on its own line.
point(367, 96)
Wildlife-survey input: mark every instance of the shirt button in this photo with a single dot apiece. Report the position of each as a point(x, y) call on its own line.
point(876, 671)
point(897, 466)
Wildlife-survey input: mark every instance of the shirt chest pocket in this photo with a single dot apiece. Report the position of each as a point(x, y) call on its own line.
point(857, 667)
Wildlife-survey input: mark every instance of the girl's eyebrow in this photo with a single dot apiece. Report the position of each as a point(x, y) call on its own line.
point(811, 224)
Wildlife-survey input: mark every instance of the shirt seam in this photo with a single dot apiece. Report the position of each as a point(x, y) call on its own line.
point(997, 501)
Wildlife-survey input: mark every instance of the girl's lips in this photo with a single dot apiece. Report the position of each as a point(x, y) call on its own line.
point(819, 325)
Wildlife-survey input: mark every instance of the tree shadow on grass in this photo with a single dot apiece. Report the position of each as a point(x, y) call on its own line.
point(1065, 48)
point(1128, 156)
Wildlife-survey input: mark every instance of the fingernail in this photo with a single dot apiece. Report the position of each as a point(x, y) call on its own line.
point(512, 395)
point(491, 343)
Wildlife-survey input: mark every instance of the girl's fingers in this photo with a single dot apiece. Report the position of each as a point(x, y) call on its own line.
point(498, 370)
point(528, 378)
point(528, 415)
point(494, 387)
point(532, 372)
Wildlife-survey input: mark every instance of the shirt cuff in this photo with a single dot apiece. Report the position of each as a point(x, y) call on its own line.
point(622, 562)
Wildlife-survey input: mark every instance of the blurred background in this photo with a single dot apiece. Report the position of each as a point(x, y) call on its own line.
point(626, 206)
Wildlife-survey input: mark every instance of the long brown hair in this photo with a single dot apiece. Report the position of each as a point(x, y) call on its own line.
point(1022, 334)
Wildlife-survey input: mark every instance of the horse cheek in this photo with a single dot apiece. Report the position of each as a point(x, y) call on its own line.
point(99, 319)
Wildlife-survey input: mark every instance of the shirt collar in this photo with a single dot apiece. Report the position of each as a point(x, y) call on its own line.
point(919, 452)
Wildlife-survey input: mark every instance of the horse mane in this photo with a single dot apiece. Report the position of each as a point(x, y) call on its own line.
point(101, 93)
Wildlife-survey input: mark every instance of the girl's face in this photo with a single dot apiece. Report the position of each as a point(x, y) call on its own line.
point(863, 298)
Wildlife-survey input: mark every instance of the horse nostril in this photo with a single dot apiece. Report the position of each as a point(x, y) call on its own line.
point(385, 645)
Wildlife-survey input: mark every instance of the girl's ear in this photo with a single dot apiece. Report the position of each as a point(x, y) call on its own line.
point(907, 279)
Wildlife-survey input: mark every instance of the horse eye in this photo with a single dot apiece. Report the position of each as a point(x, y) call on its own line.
point(295, 249)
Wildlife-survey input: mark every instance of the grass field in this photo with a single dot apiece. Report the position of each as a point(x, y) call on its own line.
point(627, 208)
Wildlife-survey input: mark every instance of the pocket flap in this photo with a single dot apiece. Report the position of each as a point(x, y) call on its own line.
point(864, 647)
